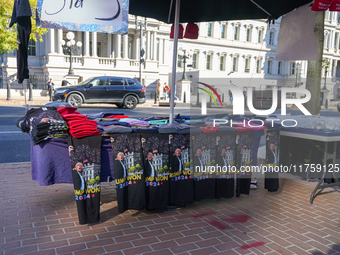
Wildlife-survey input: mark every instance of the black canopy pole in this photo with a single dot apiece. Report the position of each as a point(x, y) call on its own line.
point(260, 7)
point(174, 62)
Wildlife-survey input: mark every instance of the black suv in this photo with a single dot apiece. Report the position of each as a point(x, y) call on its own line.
point(124, 92)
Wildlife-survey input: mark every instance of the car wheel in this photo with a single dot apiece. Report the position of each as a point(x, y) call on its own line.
point(75, 100)
point(120, 105)
point(130, 102)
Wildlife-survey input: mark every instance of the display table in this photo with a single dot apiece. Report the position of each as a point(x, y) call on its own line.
point(51, 164)
point(322, 150)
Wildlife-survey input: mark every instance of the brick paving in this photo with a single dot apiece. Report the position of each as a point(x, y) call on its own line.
point(43, 220)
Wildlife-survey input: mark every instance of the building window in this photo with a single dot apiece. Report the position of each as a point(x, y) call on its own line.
point(222, 63)
point(279, 68)
point(99, 49)
point(209, 29)
point(258, 66)
point(236, 33)
point(223, 31)
point(248, 34)
point(246, 65)
point(194, 61)
point(292, 68)
point(259, 38)
point(336, 38)
point(33, 79)
point(208, 62)
point(31, 48)
point(179, 61)
point(235, 63)
point(271, 38)
point(269, 67)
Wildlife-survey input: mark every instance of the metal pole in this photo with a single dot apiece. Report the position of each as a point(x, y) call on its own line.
point(8, 91)
point(174, 62)
point(25, 85)
point(184, 76)
point(71, 69)
point(140, 51)
point(30, 92)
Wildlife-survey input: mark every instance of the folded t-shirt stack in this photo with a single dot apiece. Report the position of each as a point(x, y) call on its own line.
point(83, 127)
point(47, 128)
point(36, 112)
point(67, 110)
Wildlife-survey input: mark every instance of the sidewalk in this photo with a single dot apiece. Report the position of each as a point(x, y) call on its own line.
point(43, 220)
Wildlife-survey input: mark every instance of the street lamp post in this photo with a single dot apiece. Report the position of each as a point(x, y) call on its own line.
point(70, 47)
point(185, 57)
point(324, 86)
point(141, 24)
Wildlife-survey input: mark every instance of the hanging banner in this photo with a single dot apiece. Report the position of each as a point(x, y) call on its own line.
point(110, 16)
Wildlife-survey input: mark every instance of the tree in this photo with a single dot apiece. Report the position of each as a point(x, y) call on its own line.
point(313, 83)
point(8, 36)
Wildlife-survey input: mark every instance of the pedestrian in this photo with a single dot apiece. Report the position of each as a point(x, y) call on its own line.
point(65, 82)
point(50, 88)
point(166, 90)
point(230, 97)
point(158, 89)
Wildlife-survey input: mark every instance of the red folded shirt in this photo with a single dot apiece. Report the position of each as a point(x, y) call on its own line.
point(74, 116)
point(68, 110)
point(209, 129)
point(83, 133)
point(117, 117)
point(76, 123)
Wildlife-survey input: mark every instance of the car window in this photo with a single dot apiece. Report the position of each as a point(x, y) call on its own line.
point(102, 81)
point(116, 81)
point(130, 81)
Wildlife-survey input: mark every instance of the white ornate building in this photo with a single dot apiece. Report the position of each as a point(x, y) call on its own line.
point(225, 50)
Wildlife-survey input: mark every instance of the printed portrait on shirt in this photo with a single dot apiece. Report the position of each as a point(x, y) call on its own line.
point(272, 146)
point(156, 154)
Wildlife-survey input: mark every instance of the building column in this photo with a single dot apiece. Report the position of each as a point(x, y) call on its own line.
point(118, 46)
point(52, 45)
point(125, 46)
point(166, 52)
point(60, 37)
point(94, 44)
point(160, 52)
point(154, 43)
point(87, 44)
point(135, 47)
point(109, 48)
point(79, 38)
point(147, 46)
point(337, 42)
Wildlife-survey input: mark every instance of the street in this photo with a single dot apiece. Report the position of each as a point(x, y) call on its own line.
point(15, 145)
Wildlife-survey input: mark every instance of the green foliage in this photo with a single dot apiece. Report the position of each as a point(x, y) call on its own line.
point(187, 164)
point(161, 170)
point(213, 162)
point(97, 178)
point(138, 166)
point(326, 63)
point(8, 36)
point(165, 167)
point(132, 169)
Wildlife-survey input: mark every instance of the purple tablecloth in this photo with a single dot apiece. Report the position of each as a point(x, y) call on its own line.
point(51, 164)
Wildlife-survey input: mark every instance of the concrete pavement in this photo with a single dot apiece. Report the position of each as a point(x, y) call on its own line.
point(43, 220)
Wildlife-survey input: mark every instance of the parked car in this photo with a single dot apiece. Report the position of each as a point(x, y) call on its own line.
point(124, 92)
